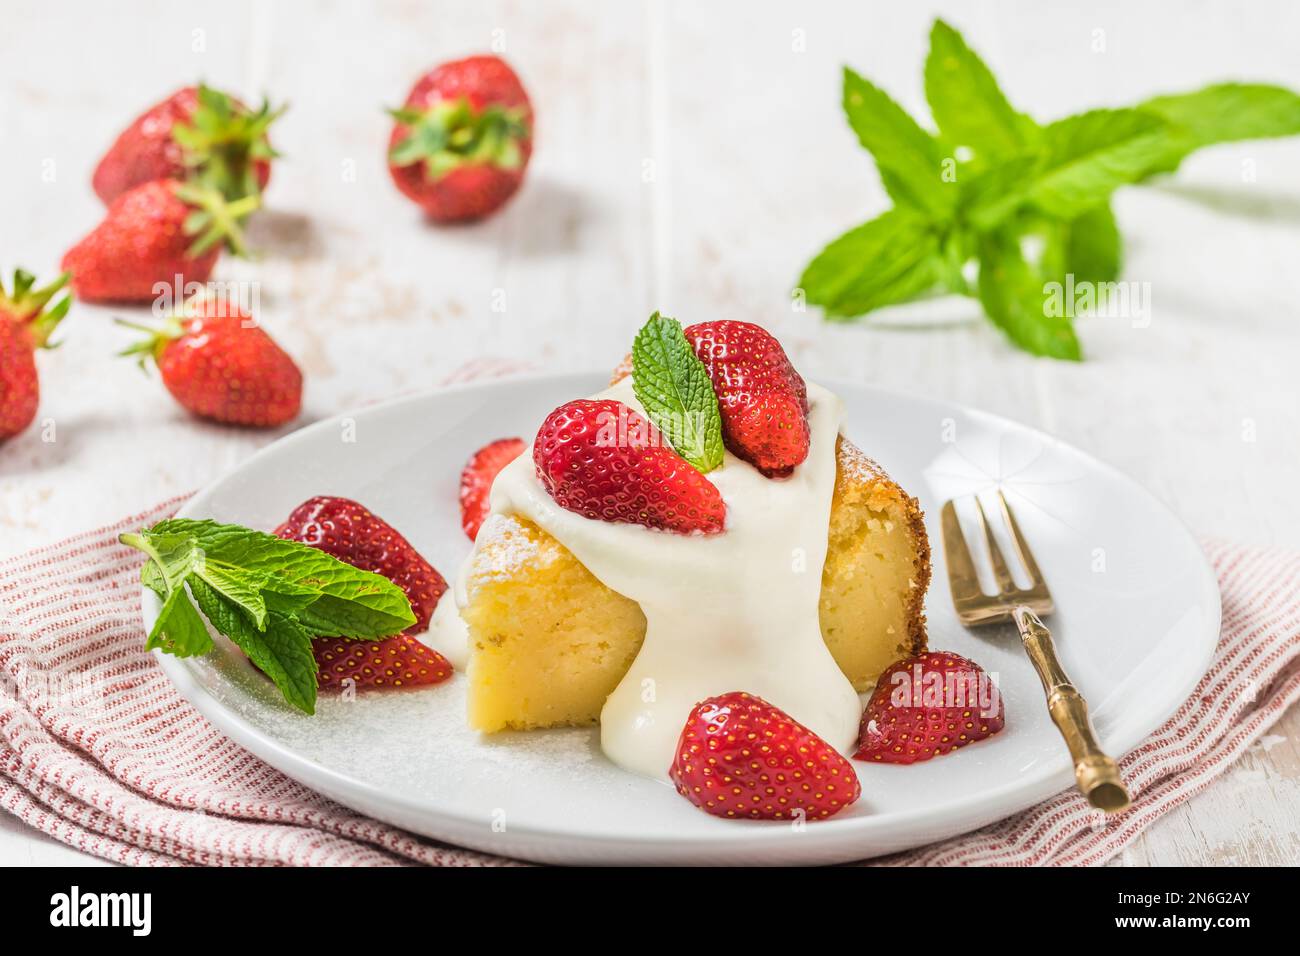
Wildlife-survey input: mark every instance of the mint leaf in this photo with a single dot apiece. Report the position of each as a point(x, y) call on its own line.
point(890, 259)
point(1012, 293)
point(674, 388)
point(179, 630)
point(910, 159)
point(281, 650)
point(966, 102)
point(1022, 182)
point(1224, 113)
point(362, 603)
point(244, 590)
point(268, 595)
point(1093, 246)
point(1088, 156)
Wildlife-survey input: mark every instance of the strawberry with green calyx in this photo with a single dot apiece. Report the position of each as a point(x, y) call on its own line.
point(219, 364)
point(462, 139)
point(25, 326)
point(197, 134)
point(153, 234)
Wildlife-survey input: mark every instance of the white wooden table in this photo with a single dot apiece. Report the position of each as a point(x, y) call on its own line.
point(690, 158)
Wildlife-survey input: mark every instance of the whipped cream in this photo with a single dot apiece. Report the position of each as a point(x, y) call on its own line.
point(448, 634)
point(736, 611)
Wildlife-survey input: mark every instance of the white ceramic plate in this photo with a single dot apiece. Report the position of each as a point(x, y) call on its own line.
point(1137, 622)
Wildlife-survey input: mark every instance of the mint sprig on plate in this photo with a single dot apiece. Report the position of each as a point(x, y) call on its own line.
point(996, 206)
point(674, 388)
point(269, 596)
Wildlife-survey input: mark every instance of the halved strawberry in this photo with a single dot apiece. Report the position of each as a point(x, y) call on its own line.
point(763, 400)
point(398, 661)
point(606, 461)
point(351, 532)
point(927, 706)
point(740, 756)
point(476, 480)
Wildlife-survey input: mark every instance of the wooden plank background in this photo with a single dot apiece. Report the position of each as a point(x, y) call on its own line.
point(690, 158)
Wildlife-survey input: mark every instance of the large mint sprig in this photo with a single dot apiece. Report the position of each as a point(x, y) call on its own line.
point(271, 597)
point(674, 388)
point(991, 183)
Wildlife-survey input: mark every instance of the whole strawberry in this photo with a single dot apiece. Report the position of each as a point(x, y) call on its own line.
point(219, 364)
point(927, 706)
point(197, 133)
point(463, 139)
point(350, 532)
point(763, 400)
point(153, 234)
point(476, 480)
point(739, 756)
point(605, 461)
point(25, 325)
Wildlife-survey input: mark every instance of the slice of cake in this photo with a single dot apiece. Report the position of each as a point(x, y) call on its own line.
point(549, 642)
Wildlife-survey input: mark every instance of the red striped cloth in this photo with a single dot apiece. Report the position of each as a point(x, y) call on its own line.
point(98, 749)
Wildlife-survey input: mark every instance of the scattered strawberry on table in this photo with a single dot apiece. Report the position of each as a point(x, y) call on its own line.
point(26, 322)
point(927, 706)
point(462, 139)
point(763, 400)
point(739, 756)
point(153, 233)
point(605, 461)
point(197, 134)
point(349, 531)
point(476, 480)
point(219, 364)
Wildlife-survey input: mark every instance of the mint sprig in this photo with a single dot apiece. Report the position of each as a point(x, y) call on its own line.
point(674, 388)
point(269, 596)
point(969, 198)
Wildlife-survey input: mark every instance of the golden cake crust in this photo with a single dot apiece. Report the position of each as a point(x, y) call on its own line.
point(856, 472)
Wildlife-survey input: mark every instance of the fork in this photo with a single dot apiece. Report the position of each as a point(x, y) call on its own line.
point(1096, 775)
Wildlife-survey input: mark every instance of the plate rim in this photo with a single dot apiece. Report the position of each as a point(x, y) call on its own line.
point(761, 836)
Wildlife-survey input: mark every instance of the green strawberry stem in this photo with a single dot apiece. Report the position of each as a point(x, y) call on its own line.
point(157, 339)
point(28, 305)
point(452, 133)
point(223, 142)
point(213, 219)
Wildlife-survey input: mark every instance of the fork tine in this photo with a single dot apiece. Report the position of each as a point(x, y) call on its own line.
point(1001, 573)
point(962, 575)
point(1026, 556)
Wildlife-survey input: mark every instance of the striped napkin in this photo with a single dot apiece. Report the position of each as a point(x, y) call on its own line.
point(99, 750)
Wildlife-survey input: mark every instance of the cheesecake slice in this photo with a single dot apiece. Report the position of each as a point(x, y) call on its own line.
point(548, 642)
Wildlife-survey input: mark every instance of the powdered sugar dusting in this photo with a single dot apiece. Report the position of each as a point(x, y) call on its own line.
point(504, 548)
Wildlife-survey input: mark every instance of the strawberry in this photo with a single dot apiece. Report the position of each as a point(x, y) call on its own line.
point(463, 139)
point(605, 461)
point(476, 480)
point(927, 706)
point(197, 133)
point(763, 400)
point(739, 756)
point(219, 364)
point(155, 233)
point(25, 326)
point(350, 532)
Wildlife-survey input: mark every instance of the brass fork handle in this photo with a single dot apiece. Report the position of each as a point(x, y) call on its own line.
point(1095, 774)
